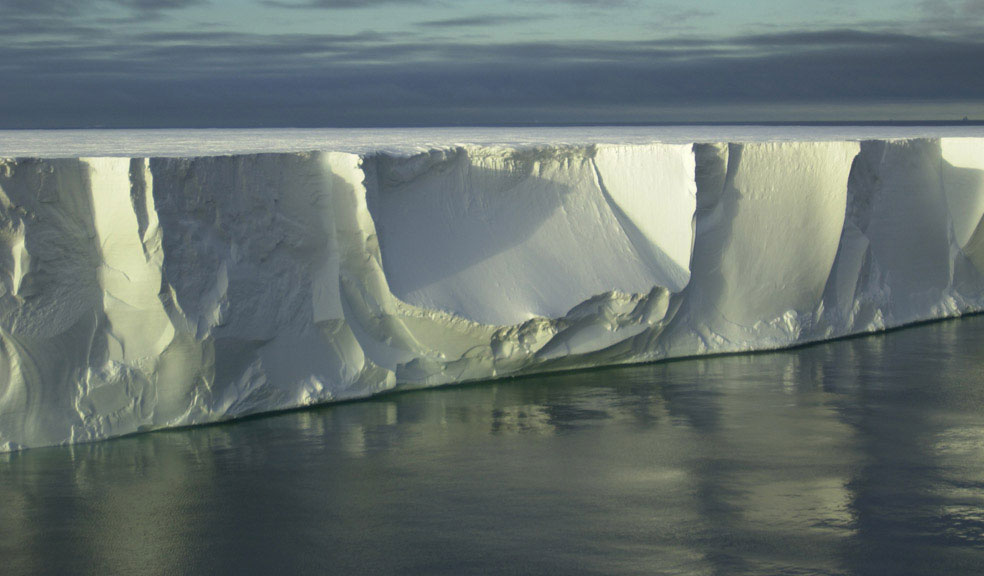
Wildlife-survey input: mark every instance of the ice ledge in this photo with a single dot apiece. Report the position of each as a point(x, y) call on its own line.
point(145, 293)
point(184, 143)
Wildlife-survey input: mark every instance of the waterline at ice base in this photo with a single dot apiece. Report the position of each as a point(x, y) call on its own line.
point(139, 293)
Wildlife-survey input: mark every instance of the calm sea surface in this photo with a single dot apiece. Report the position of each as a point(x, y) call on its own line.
point(864, 456)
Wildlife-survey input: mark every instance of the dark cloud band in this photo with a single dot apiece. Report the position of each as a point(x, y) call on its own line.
point(86, 75)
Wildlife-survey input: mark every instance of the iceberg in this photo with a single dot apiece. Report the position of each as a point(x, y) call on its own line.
point(139, 293)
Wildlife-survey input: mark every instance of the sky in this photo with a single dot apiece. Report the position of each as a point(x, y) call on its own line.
point(325, 63)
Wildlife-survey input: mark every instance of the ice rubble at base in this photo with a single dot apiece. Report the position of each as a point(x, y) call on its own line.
point(146, 293)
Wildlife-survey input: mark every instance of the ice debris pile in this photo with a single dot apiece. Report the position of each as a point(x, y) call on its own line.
point(142, 293)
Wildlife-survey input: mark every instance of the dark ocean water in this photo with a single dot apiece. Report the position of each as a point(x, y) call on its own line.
point(863, 456)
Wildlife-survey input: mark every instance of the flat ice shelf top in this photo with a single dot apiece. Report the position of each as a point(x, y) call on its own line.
point(212, 142)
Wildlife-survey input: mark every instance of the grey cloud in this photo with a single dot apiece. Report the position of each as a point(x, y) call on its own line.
point(974, 8)
point(934, 9)
point(209, 39)
point(35, 5)
point(674, 16)
point(688, 15)
point(388, 48)
point(17, 26)
point(837, 38)
point(937, 8)
point(479, 21)
point(201, 79)
point(155, 5)
point(951, 16)
point(596, 3)
point(41, 8)
point(338, 4)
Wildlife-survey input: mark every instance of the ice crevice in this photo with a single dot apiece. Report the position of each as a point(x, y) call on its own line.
point(141, 293)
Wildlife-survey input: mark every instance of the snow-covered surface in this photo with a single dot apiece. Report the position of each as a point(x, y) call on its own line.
point(212, 142)
point(145, 287)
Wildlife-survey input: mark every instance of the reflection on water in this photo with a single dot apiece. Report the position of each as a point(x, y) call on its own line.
point(863, 456)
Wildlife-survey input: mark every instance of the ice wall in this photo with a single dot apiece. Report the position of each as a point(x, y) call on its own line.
point(503, 236)
point(145, 293)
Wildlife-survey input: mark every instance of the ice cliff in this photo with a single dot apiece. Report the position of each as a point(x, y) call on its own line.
point(141, 293)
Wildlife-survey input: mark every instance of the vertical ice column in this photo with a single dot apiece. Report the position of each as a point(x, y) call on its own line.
point(128, 240)
point(50, 299)
point(963, 182)
point(252, 258)
point(895, 264)
point(766, 240)
point(120, 390)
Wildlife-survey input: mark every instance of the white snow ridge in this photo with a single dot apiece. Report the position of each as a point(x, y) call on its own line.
point(142, 293)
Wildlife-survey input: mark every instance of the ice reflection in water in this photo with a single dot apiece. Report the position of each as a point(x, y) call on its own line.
point(859, 457)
